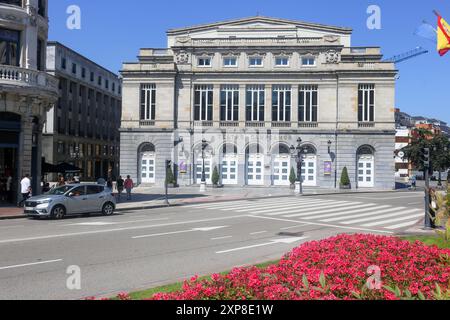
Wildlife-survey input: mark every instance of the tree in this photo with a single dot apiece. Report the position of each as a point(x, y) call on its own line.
point(215, 176)
point(292, 176)
point(345, 180)
point(440, 154)
point(170, 178)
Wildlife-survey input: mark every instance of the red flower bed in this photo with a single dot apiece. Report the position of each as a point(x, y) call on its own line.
point(336, 268)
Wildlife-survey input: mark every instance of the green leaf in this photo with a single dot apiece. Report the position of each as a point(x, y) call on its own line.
point(322, 280)
point(305, 282)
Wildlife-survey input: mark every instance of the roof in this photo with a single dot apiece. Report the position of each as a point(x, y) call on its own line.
point(298, 23)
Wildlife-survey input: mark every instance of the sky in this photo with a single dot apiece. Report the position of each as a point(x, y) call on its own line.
point(113, 31)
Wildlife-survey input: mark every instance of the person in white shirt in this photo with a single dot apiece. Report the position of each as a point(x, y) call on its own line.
point(25, 186)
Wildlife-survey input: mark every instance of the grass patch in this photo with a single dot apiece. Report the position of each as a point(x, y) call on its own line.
point(430, 240)
point(147, 294)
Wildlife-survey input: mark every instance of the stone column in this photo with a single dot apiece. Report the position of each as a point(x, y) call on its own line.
point(242, 105)
point(268, 106)
point(294, 106)
point(216, 105)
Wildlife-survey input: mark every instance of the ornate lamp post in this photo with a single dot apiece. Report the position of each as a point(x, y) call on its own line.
point(203, 182)
point(298, 153)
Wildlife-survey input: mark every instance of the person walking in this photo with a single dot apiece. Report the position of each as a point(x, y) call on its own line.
point(119, 186)
point(9, 190)
point(25, 187)
point(129, 184)
point(61, 181)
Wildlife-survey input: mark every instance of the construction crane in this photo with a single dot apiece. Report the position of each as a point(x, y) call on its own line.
point(407, 55)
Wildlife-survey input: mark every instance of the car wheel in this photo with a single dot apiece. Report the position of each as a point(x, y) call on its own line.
point(58, 212)
point(108, 209)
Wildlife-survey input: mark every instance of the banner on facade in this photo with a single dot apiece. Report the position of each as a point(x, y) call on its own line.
point(328, 168)
point(182, 167)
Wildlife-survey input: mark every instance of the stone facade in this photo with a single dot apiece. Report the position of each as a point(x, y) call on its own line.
point(27, 92)
point(83, 128)
point(296, 66)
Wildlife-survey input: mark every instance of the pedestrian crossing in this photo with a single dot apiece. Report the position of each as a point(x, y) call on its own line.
point(338, 212)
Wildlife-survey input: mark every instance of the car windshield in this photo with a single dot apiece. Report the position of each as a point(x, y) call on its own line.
point(60, 190)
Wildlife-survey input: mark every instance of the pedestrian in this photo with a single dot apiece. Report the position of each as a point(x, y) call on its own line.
point(109, 183)
point(413, 183)
point(61, 181)
point(25, 187)
point(128, 184)
point(101, 181)
point(119, 186)
point(9, 190)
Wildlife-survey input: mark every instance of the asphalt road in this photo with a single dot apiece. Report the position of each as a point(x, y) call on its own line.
point(141, 249)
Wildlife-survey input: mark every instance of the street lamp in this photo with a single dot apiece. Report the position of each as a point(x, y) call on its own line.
point(330, 143)
point(298, 153)
point(203, 182)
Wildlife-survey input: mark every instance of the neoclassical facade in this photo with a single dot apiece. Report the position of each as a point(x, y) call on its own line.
point(241, 95)
point(27, 92)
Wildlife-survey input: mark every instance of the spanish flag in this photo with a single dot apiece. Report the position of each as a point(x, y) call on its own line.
point(443, 36)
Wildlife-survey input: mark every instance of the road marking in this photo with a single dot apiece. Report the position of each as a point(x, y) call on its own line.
point(275, 241)
point(409, 218)
point(293, 227)
point(256, 233)
point(72, 234)
point(178, 232)
point(221, 238)
point(291, 206)
point(270, 204)
point(30, 264)
point(372, 212)
point(315, 211)
point(385, 216)
point(345, 211)
point(323, 224)
point(389, 198)
point(402, 225)
point(104, 223)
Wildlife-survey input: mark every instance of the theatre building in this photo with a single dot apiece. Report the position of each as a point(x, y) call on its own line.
point(27, 92)
point(242, 95)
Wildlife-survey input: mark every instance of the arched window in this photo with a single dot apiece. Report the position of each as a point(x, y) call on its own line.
point(148, 147)
point(366, 150)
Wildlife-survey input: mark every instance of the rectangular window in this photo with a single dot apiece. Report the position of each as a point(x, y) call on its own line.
point(229, 103)
point(107, 84)
point(74, 68)
point(282, 61)
point(9, 47)
point(255, 104)
point(100, 80)
point(204, 62)
point(83, 73)
point(92, 77)
point(39, 55)
point(366, 103)
point(230, 62)
point(308, 61)
point(203, 103)
point(148, 101)
point(308, 101)
point(63, 63)
point(281, 103)
point(114, 87)
point(255, 62)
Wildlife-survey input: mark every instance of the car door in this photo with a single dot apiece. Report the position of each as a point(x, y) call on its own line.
point(77, 200)
point(96, 198)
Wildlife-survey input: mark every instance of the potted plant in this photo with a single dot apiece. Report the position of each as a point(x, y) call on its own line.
point(292, 178)
point(215, 177)
point(345, 180)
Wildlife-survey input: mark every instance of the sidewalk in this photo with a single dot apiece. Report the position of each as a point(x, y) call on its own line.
point(148, 198)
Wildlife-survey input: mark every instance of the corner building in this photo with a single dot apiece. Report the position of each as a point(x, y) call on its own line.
point(250, 88)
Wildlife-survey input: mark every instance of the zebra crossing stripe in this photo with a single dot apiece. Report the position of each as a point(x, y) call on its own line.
point(395, 214)
point(402, 225)
point(238, 204)
point(390, 221)
point(375, 212)
point(287, 206)
point(308, 208)
point(314, 213)
point(203, 205)
point(268, 205)
point(331, 214)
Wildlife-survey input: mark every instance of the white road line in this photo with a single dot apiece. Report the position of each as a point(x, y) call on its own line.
point(30, 264)
point(385, 216)
point(283, 241)
point(300, 206)
point(402, 225)
point(310, 210)
point(323, 224)
point(178, 232)
point(293, 227)
point(345, 211)
point(389, 198)
point(221, 238)
point(371, 212)
point(256, 233)
point(215, 204)
point(320, 211)
point(227, 204)
point(390, 221)
point(269, 208)
point(73, 234)
point(271, 204)
point(104, 223)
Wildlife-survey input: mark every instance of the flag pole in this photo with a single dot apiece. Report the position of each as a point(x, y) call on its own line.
point(437, 13)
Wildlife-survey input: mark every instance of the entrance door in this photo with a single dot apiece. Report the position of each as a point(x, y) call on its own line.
point(309, 171)
point(255, 170)
point(199, 169)
point(366, 172)
point(230, 170)
point(281, 171)
point(148, 164)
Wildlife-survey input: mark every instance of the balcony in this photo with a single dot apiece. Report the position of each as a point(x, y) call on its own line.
point(282, 124)
point(308, 125)
point(22, 79)
point(229, 123)
point(255, 124)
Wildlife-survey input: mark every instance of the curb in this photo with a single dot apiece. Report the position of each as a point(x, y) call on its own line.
point(160, 206)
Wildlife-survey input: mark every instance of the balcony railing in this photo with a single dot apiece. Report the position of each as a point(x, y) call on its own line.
point(281, 124)
point(255, 124)
point(203, 123)
point(308, 125)
point(229, 123)
point(366, 124)
point(11, 75)
point(147, 123)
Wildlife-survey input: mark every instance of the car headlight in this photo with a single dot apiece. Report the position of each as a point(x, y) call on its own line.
point(44, 202)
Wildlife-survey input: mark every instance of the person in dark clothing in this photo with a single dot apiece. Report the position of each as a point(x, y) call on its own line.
point(119, 186)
